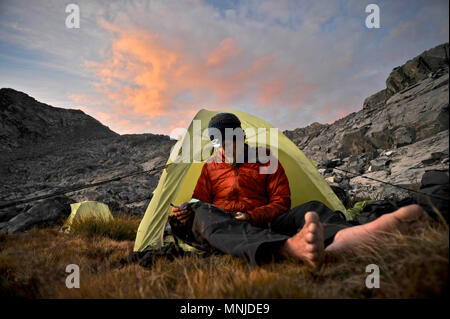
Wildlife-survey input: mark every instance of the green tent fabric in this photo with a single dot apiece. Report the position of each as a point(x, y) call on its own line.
point(86, 210)
point(178, 179)
point(357, 208)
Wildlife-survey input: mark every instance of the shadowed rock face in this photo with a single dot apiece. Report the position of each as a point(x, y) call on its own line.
point(25, 121)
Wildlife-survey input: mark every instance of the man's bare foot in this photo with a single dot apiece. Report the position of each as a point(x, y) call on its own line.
point(404, 220)
point(307, 245)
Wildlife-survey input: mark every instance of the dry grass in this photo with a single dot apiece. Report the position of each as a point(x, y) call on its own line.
point(32, 265)
point(123, 227)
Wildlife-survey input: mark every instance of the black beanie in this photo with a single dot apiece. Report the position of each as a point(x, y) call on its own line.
point(221, 121)
point(224, 120)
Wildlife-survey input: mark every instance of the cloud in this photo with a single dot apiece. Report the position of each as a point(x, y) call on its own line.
point(224, 52)
point(150, 66)
point(142, 76)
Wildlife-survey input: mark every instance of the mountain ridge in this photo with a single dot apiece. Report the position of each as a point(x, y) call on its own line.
point(25, 121)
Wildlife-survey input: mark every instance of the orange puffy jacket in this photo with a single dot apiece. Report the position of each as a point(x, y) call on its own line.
point(241, 188)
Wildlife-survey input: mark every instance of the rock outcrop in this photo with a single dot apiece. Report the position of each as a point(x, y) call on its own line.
point(44, 213)
point(417, 69)
point(400, 132)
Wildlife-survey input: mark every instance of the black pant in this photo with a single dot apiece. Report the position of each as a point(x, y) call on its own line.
point(216, 230)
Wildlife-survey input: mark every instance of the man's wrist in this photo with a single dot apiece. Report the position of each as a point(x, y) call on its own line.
point(242, 216)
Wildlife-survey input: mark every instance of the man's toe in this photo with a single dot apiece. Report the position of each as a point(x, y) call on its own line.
point(311, 217)
point(312, 227)
point(310, 237)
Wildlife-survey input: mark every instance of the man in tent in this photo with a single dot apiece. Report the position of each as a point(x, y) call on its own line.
point(247, 213)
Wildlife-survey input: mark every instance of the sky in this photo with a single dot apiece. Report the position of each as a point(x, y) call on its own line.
point(150, 66)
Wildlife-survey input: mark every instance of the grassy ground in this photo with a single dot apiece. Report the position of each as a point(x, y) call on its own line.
point(33, 264)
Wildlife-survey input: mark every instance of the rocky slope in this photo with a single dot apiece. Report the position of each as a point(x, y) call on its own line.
point(400, 132)
point(46, 149)
point(25, 121)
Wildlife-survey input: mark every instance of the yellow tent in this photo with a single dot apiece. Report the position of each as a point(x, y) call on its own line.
point(179, 178)
point(86, 210)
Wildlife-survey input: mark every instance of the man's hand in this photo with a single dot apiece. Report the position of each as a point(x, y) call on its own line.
point(242, 216)
point(182, 215)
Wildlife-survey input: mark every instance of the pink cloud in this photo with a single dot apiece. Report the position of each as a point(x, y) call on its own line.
point(144, 78)
point(226, 50)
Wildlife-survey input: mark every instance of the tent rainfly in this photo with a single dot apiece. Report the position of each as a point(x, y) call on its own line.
point(87, 210)
point(179, 178)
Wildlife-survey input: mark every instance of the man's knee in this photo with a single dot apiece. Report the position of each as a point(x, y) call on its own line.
point(311, 206)
point(208, 214)
point(204, 209)
point(317, 203)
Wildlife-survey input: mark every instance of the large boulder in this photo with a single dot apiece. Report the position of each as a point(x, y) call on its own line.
point(434, 193)
point(376, 100)
point(45, 212)
point(7, 213)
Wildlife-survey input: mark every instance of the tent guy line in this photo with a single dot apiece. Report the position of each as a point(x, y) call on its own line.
point(398, 186)
point(77, 188)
